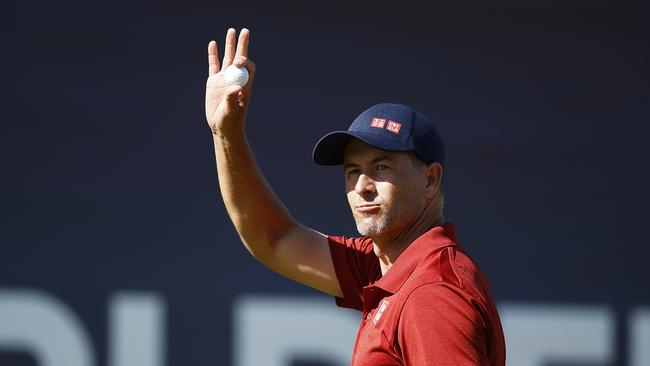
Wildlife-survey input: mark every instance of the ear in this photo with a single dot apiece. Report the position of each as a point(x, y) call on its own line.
point(433, 174)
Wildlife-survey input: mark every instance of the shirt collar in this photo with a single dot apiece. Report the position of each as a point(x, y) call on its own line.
point(399, 272)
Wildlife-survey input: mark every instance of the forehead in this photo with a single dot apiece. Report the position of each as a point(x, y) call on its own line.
point(357, 151)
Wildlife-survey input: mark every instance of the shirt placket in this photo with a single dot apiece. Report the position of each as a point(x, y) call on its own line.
point(371, 297)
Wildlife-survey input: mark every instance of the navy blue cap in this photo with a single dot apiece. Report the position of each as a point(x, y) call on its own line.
point(386, 126)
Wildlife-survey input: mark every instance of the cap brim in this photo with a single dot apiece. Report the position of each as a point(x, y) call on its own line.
point(329, 149)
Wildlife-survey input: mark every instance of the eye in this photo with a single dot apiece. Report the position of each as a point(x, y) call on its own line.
point(381, 167)
point(352, 172)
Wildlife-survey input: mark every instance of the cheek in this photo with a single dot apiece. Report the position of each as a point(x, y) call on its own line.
point(387, 193)
point(402, 198)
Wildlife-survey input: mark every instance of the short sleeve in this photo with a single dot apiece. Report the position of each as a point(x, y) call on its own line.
point(356, 266)
point(439, 325)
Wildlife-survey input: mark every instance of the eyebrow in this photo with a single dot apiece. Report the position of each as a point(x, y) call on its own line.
point(373, 161)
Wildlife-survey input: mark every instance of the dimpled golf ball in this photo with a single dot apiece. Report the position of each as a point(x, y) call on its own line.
point(235, 75)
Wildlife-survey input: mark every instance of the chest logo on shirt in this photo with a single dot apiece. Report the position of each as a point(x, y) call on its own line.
point(380, 311)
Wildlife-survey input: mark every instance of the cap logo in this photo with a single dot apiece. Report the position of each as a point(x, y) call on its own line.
point(393, 126)
point(378, 122)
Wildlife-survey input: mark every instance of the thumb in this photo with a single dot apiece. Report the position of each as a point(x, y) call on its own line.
point(233, 95)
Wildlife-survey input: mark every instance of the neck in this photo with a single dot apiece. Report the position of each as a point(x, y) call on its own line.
point(388, 248)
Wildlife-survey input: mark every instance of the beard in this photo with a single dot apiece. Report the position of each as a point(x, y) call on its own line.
point(385, 222)
point(372, 225)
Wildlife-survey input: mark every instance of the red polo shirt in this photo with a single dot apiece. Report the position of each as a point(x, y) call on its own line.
point(433, 307)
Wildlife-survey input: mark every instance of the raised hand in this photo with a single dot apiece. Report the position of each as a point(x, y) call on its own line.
point(226, 105)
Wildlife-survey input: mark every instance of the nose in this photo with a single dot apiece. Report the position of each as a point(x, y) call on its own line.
point(364, 185)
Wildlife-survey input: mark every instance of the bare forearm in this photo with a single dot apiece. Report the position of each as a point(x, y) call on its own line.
point(264, 224)
point(258, 215)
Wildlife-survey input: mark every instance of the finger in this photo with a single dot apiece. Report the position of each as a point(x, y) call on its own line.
point(241, 99)
point(245, 62)
point(213, 58)
point(242, 44)
point(240, 61)
point(250, 66)
point(229, 51)
point(216, 82)
point(233, 94)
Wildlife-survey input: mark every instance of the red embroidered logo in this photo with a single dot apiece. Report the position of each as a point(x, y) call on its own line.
point(393, 126)
point(380, 311)
point(378, 122)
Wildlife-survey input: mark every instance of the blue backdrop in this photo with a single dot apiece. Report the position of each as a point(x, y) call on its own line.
point(109, 184)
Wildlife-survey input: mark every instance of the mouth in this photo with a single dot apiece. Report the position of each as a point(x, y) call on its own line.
point(368, 207)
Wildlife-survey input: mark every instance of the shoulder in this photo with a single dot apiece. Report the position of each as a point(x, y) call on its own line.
point(440, 300)
point(449, 269)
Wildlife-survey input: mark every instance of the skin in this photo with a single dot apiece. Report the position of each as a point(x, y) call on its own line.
point(401, 194)
point(265, 226)
point(394, 198)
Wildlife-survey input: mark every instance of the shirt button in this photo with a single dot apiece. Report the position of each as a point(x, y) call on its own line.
point(368, 316)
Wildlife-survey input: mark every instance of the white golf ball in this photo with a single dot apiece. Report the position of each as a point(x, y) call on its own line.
point(235, 75)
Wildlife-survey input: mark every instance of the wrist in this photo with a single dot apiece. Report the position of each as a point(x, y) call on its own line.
point(221, 133)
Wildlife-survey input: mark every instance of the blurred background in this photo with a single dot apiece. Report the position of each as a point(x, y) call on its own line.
point(115, 247)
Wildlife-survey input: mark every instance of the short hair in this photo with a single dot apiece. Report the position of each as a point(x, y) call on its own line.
point(417, 162)
point(415, 159)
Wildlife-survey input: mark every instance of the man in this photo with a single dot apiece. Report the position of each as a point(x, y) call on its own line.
point(424, 301)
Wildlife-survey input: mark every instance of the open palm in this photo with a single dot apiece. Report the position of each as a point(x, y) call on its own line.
point(226, 105)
